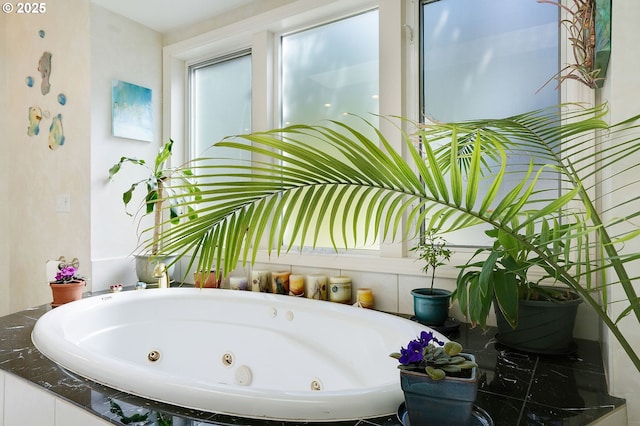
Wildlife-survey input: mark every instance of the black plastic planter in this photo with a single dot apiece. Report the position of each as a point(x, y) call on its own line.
point(544, 327)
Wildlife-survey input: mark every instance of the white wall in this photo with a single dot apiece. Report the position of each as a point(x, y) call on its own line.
point(121, 50)
point(622, 91)
point(33, 173)
point(4, 183)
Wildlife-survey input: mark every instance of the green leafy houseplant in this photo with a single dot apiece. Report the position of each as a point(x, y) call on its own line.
point(156, 183)
point(503, 275)
point(301, 184)
point(534, 316)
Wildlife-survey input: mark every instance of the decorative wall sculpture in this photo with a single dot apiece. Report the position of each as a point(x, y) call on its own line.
point(36, 113)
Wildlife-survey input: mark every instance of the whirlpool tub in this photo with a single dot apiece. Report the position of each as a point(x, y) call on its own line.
point(242, 353)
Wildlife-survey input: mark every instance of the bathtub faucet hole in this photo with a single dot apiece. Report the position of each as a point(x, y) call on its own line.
point(153, 356)
point(227, 359)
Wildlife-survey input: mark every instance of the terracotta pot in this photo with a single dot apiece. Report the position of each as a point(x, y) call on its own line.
point(211, 281)
point(65, 293)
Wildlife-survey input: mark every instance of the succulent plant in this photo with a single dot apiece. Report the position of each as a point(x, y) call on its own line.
point(427, 354)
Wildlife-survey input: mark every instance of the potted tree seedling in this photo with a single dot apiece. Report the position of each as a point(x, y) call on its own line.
point(431, 305)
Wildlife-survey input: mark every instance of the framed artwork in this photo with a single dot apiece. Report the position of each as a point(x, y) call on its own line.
point(131, 111)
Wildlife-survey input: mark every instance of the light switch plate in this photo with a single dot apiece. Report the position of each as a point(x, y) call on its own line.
point(63, 203)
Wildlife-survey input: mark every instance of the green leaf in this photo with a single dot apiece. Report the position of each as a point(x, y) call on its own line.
point(452, 348)
point(435, 373)
point(506, 292)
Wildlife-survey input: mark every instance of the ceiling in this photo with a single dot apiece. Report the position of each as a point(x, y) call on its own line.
point(167, 15)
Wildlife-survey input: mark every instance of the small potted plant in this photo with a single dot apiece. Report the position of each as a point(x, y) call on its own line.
point(157, 191)
point(68, 284)
point(439, 382)
point(431, 305)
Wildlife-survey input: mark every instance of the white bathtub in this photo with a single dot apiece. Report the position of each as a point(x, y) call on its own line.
point(241, 353)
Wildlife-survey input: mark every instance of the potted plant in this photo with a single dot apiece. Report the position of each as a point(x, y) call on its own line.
point(431, 305)
point(530, 315)
point(68, 285)
point(459, 175)
point(439, 382)
point(155, 184)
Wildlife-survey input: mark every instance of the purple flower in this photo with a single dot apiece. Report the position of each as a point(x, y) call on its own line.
point(66, 274)
point(415, 351)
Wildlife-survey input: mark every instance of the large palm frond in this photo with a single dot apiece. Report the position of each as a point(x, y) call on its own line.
point(456, 175)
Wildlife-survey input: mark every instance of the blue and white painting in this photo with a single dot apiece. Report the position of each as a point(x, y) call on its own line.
point(131, 112)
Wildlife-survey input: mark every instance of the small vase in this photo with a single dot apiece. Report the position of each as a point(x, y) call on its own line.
point(65, 293)
point(439, 402)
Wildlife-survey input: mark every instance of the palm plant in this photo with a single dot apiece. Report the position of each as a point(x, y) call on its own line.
point(300, 184)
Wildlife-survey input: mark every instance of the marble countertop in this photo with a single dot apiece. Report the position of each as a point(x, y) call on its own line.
point(515, 388)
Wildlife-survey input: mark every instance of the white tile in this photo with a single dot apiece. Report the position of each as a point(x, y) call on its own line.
point(68, 414)
point(25, 404)
point(405, 285)
point(384, 287)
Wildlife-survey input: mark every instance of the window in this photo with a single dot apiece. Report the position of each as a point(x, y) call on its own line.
point(328, 72)
point(220, 95)
point(487, 58)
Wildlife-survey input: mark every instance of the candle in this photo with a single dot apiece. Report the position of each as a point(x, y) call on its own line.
point(280, 282)
point(296, 285)
point(260, 280)
point(238, 283)
point(340, 289)
point(316, 286)
point(364, 297)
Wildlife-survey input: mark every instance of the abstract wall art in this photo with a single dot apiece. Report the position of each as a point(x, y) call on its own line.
point(131, 111)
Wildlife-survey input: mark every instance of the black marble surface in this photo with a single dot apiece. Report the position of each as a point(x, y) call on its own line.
point(515, 388)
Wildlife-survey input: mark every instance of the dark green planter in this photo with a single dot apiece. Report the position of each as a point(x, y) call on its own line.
point(544, 327)
point(431, 307)
point(443, 402)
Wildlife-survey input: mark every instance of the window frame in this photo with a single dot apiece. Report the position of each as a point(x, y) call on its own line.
point(399, 93)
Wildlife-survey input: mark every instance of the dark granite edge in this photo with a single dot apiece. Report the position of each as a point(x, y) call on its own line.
point(26, 362)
